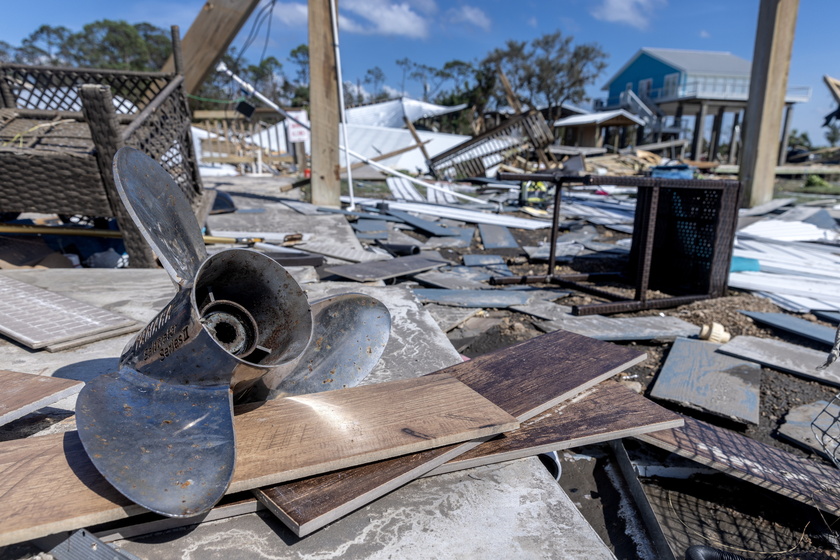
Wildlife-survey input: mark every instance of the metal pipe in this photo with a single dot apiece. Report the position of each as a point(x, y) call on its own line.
point(341, 111)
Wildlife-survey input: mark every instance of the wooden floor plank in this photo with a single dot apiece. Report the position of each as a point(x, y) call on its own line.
point(696, 376)
point(742, 457)
point(525, 380)
point(606, 412)
point(23, 393)
point(277, 441)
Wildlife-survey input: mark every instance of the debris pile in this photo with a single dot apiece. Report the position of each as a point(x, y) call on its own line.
point(730, 383)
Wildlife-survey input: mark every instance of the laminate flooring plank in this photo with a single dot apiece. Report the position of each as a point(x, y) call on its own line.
point(795, 325)
point(525, 380)
point(497, 237)
point(696, 376)
point(23, 393)
point(606, 412)
point(279, 440)
point(783, 356)
point(797, 425)
point(383, 270)
point(425, 226)
point(742, 457)
point(827, 315)
point(616, 328)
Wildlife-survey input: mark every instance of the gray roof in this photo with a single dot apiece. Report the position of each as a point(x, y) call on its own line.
point(703, 62)
point(693, 62)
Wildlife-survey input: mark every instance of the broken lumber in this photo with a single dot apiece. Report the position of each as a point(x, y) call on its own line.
point(525, 380)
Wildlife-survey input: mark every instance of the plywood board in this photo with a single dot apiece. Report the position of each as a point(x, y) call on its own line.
point(497, 237)
point(23, 393)
point(794, 325)
point(784, 356)
point(279, 440)
point(606, 412)
point(742, 457)
point(524, 380)
point(39, 318)
point(696, 376)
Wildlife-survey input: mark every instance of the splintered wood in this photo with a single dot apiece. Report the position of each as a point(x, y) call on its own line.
point(278, 440)
point(525, 380)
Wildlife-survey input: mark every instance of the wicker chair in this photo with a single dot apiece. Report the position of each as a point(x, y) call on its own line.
point(60, 129)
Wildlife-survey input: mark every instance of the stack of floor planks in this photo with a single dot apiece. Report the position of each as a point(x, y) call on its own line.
point(436, 423)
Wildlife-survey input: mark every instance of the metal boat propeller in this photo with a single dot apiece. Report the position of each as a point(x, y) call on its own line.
point(160, 429)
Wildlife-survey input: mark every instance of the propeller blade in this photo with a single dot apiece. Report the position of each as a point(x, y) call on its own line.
point(161, 212)
point(349, 335)
point(169, 448)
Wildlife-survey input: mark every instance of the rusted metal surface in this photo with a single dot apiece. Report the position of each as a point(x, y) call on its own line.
point(682, 245)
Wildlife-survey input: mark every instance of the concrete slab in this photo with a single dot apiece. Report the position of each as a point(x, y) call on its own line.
point(512, 510)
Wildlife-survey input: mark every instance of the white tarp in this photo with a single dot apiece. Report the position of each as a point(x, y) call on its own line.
point(391, 113)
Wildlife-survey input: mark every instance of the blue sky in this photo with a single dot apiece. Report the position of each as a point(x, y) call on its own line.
point(432, 32)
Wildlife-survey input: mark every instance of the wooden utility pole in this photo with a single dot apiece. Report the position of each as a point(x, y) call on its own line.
point(208, 38)
point(768, 85)
point(323, 106)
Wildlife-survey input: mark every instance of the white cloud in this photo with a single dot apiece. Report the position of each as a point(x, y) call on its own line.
point(427, 7)
point(393, 92)
point(292, 14)
point(470, 15)
point(635, 13)
point(382, 17)
point(533, 21)
point(704, 34)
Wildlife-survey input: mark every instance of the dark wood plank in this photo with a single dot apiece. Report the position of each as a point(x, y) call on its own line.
point(524, 380)
point(742, 457)
point(696, 376)
point(795, 325)
point(279, 440)
point(383, 270)
point(606, 412)
point(23, 393)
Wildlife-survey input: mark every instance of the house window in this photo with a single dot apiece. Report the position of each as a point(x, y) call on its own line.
point(645, 87)
point(672, 82)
